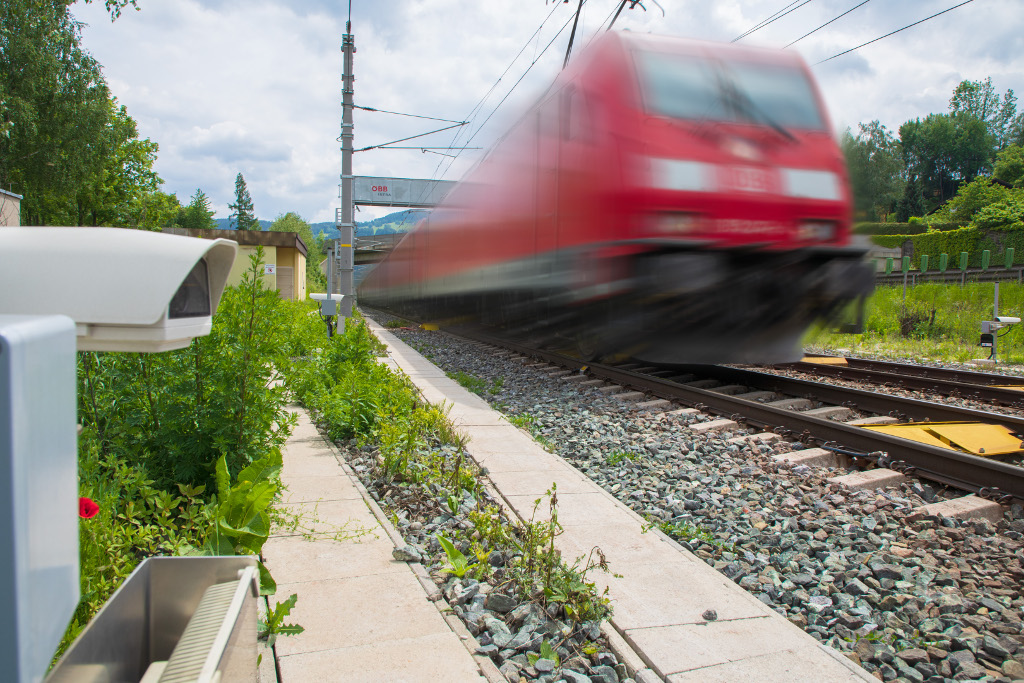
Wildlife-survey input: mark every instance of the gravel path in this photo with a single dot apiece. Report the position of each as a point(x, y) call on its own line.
point(933, 600)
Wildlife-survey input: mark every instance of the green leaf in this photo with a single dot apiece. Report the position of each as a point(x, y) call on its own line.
point(267, 584)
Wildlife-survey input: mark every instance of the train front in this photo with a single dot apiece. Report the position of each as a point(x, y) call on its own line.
point(736, 194)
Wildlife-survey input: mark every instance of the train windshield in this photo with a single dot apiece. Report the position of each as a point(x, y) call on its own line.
point(688, 87)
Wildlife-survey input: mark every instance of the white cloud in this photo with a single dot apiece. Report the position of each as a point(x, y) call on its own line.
point(226, 86)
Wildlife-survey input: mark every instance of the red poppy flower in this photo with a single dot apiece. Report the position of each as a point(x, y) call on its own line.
point(87, 508)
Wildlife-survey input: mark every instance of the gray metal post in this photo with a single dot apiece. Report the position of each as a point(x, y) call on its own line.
point(995, 316)
point(344, 219)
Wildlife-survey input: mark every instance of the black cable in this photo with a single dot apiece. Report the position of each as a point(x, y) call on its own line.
point(827, 23)
point(514, 85)
point(893, 32)
point(415, 116)
point(764, 22)
point(479, 104)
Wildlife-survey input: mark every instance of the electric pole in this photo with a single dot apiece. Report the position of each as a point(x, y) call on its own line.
point(344, 218)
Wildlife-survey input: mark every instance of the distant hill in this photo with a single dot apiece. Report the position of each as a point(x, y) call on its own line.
point(399, 221)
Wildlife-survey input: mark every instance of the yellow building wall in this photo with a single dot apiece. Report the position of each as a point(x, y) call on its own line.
point(242, 264)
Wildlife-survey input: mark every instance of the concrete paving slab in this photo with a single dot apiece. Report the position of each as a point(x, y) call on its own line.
point(774, 666)
point(318, 488)
point(529, 483)
point(302, 560)
point(427, 658)
point(322, 463)
point(327, 517)
point(686, 647)
point(672, 593)
point(386, 609)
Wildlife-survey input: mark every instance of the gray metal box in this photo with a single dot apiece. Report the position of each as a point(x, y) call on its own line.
point(39, 587)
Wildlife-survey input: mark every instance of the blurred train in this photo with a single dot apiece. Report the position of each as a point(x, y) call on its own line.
point(677, 201)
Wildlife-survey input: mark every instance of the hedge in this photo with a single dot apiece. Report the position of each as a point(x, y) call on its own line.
point(902, 229)
point(952, 242)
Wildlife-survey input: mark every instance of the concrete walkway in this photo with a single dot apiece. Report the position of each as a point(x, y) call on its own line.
point(367, 616)
point(663, 590)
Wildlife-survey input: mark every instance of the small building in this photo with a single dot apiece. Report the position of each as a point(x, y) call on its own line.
point(284, 257)
point(10, 209)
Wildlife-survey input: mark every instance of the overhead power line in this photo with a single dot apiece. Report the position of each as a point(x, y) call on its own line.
point(511, 90)
point(473, 112)
point(827, 23)
point(772, 19)
point(415, 116)
point(893, 32)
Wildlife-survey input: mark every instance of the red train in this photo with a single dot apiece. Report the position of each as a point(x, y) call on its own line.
point(683, 202)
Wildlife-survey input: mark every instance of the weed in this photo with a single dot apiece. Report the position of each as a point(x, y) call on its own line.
point(546, 652)
point(618, 456)
point(692, 532)
point(274, 625)
point(458, 564)
point(523, 421)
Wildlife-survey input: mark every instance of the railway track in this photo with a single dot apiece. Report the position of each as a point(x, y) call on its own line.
point(995, 389)
point(989, 478)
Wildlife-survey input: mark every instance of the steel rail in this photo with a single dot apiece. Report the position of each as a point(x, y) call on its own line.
point(913, 370)
point(989, 478)
point(860, 399)
point(944, 387)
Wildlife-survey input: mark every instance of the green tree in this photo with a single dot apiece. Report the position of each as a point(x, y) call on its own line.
point(198, 214)
point(111, 194)
point(970, 199)
point(980, 100)
point(876, 169)
point(293, 222)
point(242, 217)
point(1010, 165)
point(54, 105)
point(942, 151)
point(911, 203)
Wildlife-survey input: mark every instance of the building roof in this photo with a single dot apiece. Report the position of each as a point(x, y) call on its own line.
point(267, 238)
point(11, 194)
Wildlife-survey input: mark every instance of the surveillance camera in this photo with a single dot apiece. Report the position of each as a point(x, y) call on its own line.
point(1007, 320)
point(126, 290)
point(328, 302)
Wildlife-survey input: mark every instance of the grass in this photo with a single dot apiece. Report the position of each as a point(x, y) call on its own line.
point(477, 385)
point(940, 322)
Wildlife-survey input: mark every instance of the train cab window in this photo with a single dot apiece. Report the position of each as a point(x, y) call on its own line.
point(688, 87)
point(779, 92)
point(574, 116)
point(680, 86)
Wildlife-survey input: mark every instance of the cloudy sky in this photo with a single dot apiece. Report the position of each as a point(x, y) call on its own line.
point(253, 86)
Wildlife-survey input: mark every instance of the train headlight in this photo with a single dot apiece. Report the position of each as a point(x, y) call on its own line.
point(817, 231)
point(674, 223)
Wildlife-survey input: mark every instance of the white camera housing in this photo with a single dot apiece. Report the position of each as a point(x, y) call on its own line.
point(328, 302)
point(126, 290)
point(1007, 320)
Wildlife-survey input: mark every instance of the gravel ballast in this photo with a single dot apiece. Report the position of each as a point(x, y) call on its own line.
point(932, 600)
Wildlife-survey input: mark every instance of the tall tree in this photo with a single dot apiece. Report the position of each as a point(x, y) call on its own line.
point(198, 214)
point(943, 151)
point(980, 100)
point(876, 169)
point(53, 105)
point(242, 217)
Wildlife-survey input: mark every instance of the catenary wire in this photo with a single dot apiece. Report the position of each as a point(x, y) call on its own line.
point(764, 22)
point(892, 32)
point(398, 113)
point(511, 90)
point(483, 99)
point(827, 23)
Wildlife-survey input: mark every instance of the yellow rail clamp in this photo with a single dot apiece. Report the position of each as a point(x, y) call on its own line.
point(824, 360)
point(432, 327)
point(1014, 387)
point(976, 438)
